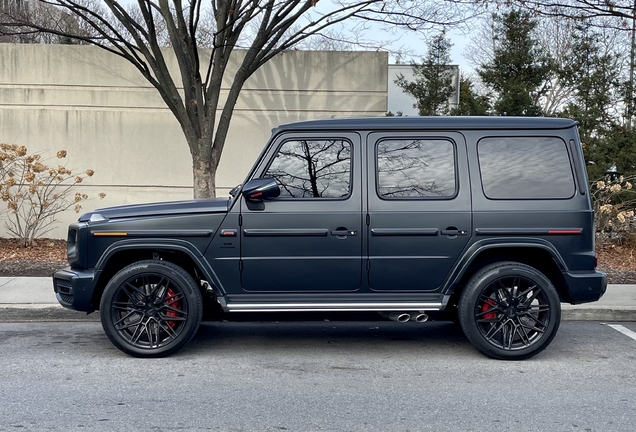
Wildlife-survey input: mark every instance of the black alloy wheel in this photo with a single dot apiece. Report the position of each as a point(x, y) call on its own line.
point(510, 311)
point(151, 308)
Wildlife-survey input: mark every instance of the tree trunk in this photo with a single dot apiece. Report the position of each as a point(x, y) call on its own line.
point(204, 174)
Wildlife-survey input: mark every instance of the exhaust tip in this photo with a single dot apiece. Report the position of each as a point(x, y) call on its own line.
point(400, 316)
point(419, 317)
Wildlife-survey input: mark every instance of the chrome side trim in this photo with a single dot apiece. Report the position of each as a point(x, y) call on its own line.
point(331, 307)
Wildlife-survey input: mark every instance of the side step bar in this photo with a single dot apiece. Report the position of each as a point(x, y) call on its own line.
point(331, 307)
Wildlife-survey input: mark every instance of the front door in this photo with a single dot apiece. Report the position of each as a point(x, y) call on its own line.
point(419, 209)
point(310, 238)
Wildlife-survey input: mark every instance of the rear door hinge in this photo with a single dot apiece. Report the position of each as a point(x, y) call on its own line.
point(368, 219)
point(368, 265)
point(240, 265)
point(240, 220)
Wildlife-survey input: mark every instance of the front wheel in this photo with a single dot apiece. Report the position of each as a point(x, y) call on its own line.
point(151, 308)
point(509, 311)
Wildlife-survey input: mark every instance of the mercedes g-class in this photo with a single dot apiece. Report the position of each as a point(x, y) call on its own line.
point(487, 221)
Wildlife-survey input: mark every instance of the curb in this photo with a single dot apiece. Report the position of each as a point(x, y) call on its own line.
point(51, 313)
point(42, 313)
point(598, 314)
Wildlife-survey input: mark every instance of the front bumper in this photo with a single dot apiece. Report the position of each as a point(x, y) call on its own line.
point(585, 287)
point(74, 288)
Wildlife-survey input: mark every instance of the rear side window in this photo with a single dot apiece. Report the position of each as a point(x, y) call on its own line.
point(416, 168)
point(525, 168)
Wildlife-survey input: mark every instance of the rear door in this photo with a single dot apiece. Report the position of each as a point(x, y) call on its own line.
point(419, 209)
point(310, 238)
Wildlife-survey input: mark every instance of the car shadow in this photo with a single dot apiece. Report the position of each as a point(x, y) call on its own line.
point(317, 336)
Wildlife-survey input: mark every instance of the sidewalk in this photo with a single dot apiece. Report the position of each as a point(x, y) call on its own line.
point(33, 299)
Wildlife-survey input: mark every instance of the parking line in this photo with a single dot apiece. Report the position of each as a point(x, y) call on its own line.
point(627, 332)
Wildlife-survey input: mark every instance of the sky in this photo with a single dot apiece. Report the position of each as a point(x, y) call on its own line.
point(403, 39)
point(415, 41)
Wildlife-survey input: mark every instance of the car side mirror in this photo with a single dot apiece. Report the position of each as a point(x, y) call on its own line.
point(260, 189)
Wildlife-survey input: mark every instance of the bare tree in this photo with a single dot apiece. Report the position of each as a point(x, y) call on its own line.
point(617, 14)
point(581, 9)
point(264, 28)
point(45, 15)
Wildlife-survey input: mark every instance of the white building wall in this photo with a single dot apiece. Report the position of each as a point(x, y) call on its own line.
point(101, 110)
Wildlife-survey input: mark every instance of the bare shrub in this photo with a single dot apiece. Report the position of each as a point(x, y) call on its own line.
point(614, 206)
point(36, 191)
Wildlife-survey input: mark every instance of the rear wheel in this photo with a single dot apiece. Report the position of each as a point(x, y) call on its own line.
point(151, 308)
point(510, 311)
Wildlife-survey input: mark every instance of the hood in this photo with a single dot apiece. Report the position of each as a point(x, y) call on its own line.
point(211, 205)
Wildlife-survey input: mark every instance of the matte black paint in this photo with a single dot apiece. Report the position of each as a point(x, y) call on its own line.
point(356, 249)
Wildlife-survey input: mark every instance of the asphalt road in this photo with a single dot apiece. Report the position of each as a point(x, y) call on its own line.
point(352, 376)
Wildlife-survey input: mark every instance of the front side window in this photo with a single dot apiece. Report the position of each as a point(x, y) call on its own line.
point(525, 168)
point(416, 168)
point(313, 169)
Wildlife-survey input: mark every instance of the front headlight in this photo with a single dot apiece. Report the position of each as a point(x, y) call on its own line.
point(72, 243)
point(75, 252)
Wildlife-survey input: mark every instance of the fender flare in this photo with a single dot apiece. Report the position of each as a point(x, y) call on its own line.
point(167, 244)
point(475, 249)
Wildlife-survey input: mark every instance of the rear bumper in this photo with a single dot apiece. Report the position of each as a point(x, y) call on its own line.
point(585, 287)
point(74, 288)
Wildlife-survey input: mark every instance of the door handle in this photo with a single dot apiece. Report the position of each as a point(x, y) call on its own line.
point(343, 233)
point(451, 231)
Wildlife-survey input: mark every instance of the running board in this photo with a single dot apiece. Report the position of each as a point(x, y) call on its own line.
point(332, 307)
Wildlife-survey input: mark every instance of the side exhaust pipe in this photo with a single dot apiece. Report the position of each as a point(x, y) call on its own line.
point(400, 316)
point(405, 316)
point(419, 317)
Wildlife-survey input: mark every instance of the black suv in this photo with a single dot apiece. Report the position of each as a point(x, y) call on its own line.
point(485, 221)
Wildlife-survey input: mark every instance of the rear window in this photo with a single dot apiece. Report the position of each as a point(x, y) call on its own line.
point(525, 168)
point(416, 168)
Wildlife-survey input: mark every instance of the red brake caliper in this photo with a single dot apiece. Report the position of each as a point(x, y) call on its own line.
point(489, 304)
point(172, 303)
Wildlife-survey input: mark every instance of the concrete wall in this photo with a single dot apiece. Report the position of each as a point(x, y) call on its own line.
point(100, 109)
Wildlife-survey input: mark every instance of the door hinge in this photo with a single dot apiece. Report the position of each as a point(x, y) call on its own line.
point(240, 265)
point(368, 219)
point(240, 220)
point(368, 265)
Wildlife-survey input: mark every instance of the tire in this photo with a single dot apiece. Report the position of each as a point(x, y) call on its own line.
point(509, 311)
point(151, 308)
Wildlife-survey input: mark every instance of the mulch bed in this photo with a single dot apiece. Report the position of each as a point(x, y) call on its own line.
point(618, 261)
point(48, 255)
point(42, 259)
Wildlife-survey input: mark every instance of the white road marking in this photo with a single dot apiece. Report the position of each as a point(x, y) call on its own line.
point(627, 332)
